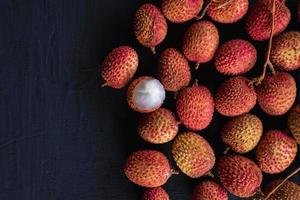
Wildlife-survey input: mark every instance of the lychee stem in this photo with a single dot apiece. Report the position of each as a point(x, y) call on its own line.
point(174, 172)
point(204, 10)
point(197, 66)
point(104, 84)
point(226, 150)
point(196, 82)
point(153, 50)
point(210, 174)
point(224, 4)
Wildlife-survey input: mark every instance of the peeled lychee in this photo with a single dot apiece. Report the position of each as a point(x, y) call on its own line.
point(285, 53)
point(275, 152)
point(259, 21)
point(277, 93)
point(145, 94)
point(239, 175)
point(287, 191)
point(193, 154)
point(235, 57)
point(158, 127)
point(150, 26)
point(148, 168)
point(155, 194)
point(242, 133)
point(173, 70)
point(119, 66)
point(227, 11)
point(294, 122)
point(200, 42)
point(209, 190)
point(195, 107)
point(179, 11)
point(235, 97)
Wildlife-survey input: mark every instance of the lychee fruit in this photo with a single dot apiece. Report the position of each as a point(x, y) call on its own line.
point(242, 133)
point(209, 190)
point(235, 57)
point(285, 53)
point(119, 66)
point(157, 193)
point(227, 11)
point(148, 168)
point(294, 122)
point(173, 70)
point(277, 93)
point(158, 127)
point(235, 97)
point(145, 94)
point(239, 175)
point(179, 11)
point(287, 191)
point(259, 20)
point(200, 42)
point(193, 154)
point(195, 107)
point(150, 26)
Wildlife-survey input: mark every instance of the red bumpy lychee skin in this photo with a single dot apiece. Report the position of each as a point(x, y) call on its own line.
point(239, 175)
point(275, 152)
point(277, 93)
point(235, 97)
point(209, 190)
point(150, 26)
point(235, 57)
point(195, 107)
point(294, 122)
point(179, 11)
point(119, 66)
point(228, 11)
point(155, 194)
point(287, 191)
point(173, 70)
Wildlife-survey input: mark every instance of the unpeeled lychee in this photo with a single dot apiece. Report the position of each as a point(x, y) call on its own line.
point(179, 11)
point(285, 53)
point(119, 66)
point(235, 57)
point(145, 94)
point(150, 26)
point(209, 190)
point(277, 93)
point(275, 152)
point(148, 168)
point(287, 191)
point(294, 122)
point(235, 97)
point(227, 11)
point(193, 154)
point(239, 175)
point(157, 193)
point(173, 70)
point(158, 127)
point(200, 42)
point(259, 20)
point(195, 107)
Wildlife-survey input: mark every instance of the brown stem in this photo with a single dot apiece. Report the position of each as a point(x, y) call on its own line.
point(226, 150)
point(224, 4)
point(210, 174)
point(196, 82)
point(204, 10)
point(104, 84)
point(197, 65)
point(174, 172)
point(153, 50)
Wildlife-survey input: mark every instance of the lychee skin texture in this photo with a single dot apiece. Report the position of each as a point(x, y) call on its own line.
point(294, 122)
point(119, 66)
point(235, 57)
point(193, 154)
point(150, 26)
point(235, 97)
point(275, 152)
point(158, 127)
point(277, 93)
point(228, 12)
point(242, 133)
point(145, 94)
point(173, 70)
point(287, 191)
point(179, 11)
point(259, 21)
point(239, 175)
point(200, 42)
point(195, 107)
point(148, 168)
point(209, 190)
point(155, 194)
point(285, 54)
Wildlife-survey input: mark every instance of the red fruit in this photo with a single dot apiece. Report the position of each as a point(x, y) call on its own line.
point(235, 97)
point(119, 66)
point(173, 70)
point(235, 57)
point(209, 190)
point(155, 194)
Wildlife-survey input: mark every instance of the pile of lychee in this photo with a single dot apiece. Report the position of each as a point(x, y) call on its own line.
point(274, 91)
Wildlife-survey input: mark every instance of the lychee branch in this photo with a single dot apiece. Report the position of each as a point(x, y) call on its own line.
point(204, 10)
